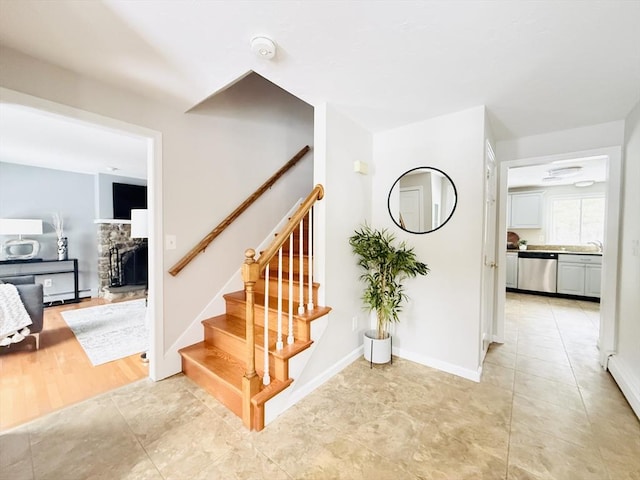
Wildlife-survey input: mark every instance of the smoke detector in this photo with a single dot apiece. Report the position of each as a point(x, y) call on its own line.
point(263, 47)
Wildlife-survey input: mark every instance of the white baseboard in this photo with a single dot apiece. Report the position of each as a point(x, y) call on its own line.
point(439, 364)
point(497, 339)
point(334, 369)
point(627, 381)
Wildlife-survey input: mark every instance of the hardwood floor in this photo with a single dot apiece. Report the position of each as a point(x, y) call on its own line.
point(36, 382)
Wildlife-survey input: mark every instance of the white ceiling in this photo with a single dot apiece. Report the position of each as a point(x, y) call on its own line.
point(593, 169)
point(538, 66)
point(36, 138)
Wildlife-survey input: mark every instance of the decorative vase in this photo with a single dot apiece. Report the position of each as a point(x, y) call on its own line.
point(377, 350)
point(62, 249)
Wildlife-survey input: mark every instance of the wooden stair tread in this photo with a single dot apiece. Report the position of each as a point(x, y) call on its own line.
point(317, 312)
point(236, 326)
point(220, 363)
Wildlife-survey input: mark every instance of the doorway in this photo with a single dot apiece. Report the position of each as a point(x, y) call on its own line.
point(152, 140)
point(608, 307)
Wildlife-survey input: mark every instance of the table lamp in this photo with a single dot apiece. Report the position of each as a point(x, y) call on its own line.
point(20, 248)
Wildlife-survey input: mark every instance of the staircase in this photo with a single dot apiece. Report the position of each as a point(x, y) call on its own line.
point(231, 363)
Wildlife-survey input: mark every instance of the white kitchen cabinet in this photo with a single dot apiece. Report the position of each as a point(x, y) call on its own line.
point(525, 210)
point(579, 275)
point(593, 274)
point(512, 270)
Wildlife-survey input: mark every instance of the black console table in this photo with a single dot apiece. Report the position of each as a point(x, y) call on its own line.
point(54, 275)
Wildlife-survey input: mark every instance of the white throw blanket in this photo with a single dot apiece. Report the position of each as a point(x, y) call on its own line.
point(13, 316)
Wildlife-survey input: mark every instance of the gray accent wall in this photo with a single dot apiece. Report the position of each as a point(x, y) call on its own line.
point(104, 192)
point(33, 192)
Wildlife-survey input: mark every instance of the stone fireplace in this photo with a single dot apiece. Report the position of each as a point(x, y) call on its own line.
point(131, 278)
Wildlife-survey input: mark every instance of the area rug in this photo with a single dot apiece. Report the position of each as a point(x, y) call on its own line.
point(109, 332)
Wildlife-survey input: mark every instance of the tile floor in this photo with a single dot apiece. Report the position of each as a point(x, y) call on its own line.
point(544, 410)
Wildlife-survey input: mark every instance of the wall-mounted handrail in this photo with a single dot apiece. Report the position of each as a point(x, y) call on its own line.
point(204, 243)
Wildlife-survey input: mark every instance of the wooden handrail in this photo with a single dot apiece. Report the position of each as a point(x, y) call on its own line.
point(204, 243)
point(316, 194)
point(251, 270)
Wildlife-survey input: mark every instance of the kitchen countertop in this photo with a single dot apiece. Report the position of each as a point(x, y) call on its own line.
point(572, 250)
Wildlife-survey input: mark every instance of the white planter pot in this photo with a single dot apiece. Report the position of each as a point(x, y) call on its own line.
point(377, 350)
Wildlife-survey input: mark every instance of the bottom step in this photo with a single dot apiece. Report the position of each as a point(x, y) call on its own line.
point(221, 375)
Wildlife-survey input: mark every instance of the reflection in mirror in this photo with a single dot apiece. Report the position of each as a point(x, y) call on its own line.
point(422, 200)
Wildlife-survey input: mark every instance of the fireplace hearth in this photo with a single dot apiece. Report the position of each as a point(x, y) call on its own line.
point(123, 262)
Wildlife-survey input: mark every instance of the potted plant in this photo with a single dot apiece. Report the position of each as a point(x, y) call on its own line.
point(522, 244)
point(385, 266)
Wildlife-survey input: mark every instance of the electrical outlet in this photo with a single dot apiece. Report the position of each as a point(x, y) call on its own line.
point(354, 324)
point(47, 282)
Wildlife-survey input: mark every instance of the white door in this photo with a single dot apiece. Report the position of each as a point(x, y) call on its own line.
point(411, 216)
point(489, 251)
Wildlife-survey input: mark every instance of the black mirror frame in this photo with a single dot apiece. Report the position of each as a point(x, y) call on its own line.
point(455, 204)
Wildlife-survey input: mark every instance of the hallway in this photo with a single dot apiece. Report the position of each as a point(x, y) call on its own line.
point(544, 410)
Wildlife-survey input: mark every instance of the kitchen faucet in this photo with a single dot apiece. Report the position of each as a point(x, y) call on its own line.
point(598, 244)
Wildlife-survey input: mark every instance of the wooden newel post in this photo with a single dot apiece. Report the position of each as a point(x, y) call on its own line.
point(250, 381)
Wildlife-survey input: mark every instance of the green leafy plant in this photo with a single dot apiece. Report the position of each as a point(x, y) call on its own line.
point(385, 267)
point(522, 242)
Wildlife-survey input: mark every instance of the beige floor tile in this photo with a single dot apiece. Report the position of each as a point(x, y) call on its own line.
point(517, 473)
point(546, 353)
point(187, 448)
point(499, 376)
point(244, 462)
point(539, 388)
point(20, 470)
point(499, 357)
point(14, 447)
point(551, 458)
point(400, 421)
point(441, 455)
point(557, 372)
point(62, 442)
point(533, 416)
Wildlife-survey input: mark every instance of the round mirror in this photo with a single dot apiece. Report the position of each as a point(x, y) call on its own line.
point(422, 200)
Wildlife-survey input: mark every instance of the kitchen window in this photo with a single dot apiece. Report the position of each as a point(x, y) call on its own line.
point(577, 220)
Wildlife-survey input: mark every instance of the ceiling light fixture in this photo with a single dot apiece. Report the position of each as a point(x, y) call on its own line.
point(564, 171)
point(263, 47)
point(584, 183)
point(551, 179)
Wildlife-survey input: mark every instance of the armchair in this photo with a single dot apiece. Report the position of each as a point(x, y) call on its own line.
point(32, 296)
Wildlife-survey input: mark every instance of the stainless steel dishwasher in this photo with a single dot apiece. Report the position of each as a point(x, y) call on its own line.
point(537, 271)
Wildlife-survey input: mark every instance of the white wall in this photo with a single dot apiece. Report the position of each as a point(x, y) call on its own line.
point(574, 140)
point(347, 204)
point(436, 327)
point(626, 364)
point(211, 162)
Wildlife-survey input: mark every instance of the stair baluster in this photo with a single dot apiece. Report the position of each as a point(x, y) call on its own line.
point(301, 269)
point(310, 304)
point(290, 338)
point(279, 343)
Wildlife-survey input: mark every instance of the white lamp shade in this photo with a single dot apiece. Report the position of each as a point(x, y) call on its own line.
point(20, 226)
point(139, 223)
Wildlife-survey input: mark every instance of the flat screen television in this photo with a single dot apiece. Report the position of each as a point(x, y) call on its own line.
point(127, 197)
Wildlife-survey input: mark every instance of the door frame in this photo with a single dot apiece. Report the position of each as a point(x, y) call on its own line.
point(607, 341)
point(155, 309)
